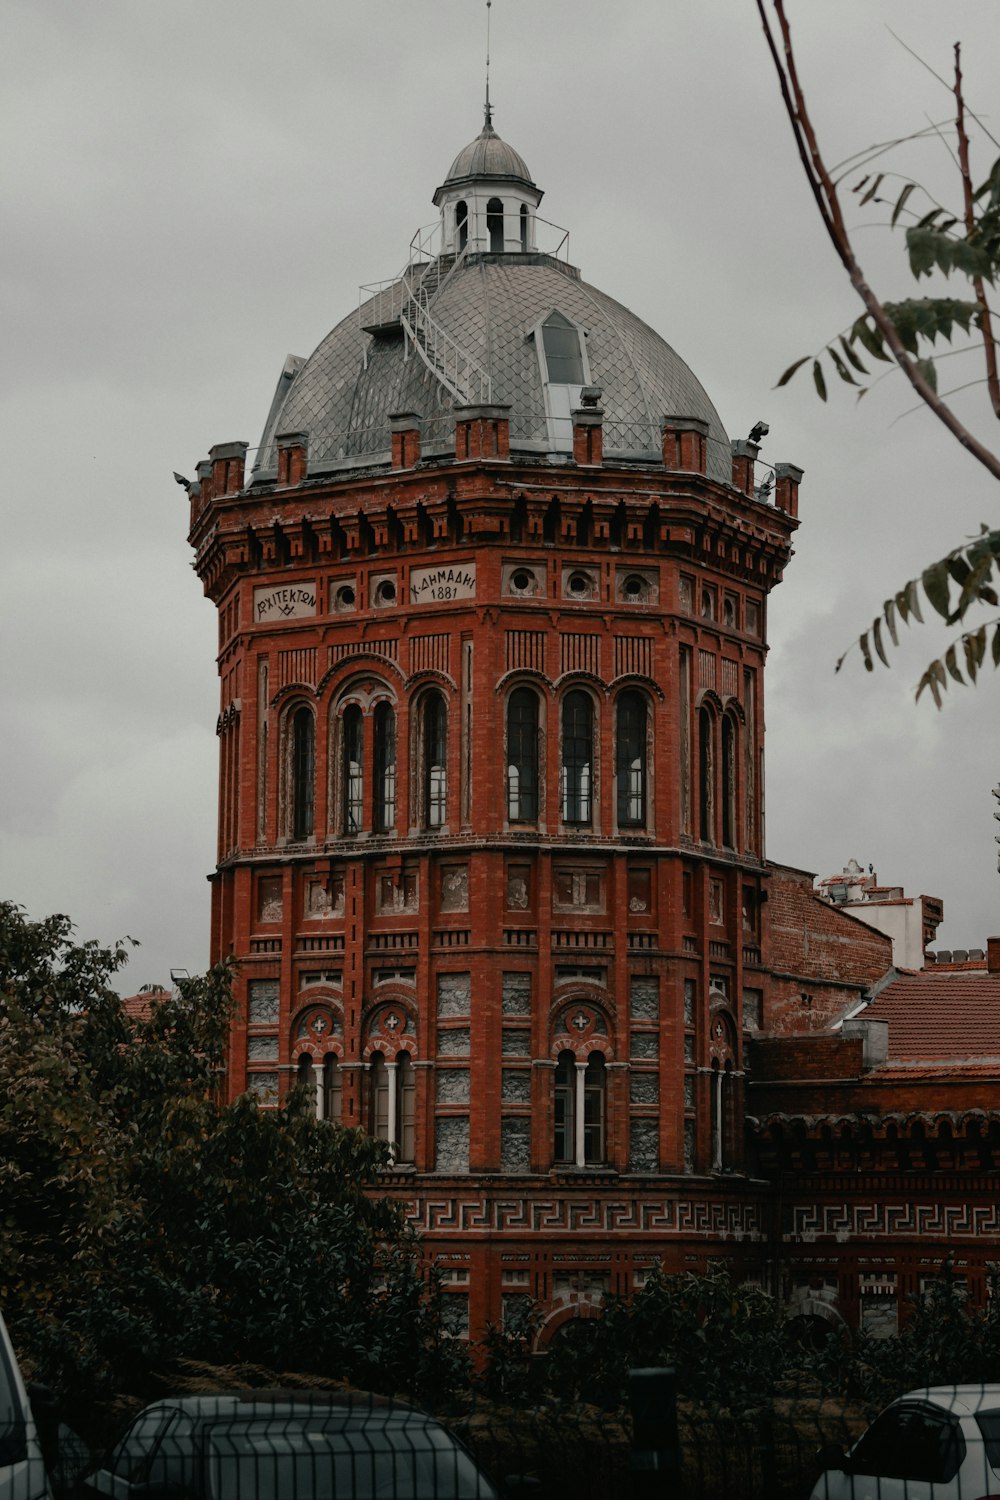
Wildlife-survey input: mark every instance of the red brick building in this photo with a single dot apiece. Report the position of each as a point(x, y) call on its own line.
point(492, 632)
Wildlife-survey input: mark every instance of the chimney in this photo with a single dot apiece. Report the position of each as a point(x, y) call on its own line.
point(685, 444)
point(787, 479)
point(227, 460)
point(292, 450)
point(588, 427)
point(482, 432)
point(993, 955)
point(404, 426)
point(744, 458)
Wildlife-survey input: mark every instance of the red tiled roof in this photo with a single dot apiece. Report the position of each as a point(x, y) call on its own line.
point(139, 1007)
point(934, 1016)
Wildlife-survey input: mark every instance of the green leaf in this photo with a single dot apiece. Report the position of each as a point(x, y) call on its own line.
point(871, 191)
point(792, 369)
point(903, 605)
point(901, 202)
point(935, 582)
point(870, 338)
point(913, 600)
point(850, 354)
point(889, 611)
point(818, 380)
point(877, 638)
point(951, 662)
point(927, 370)
point(934, 679)
point(840, 367)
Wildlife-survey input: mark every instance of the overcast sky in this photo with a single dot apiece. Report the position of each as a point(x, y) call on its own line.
point(193, 190)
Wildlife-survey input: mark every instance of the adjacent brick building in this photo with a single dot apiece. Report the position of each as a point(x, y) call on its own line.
point(492, 631)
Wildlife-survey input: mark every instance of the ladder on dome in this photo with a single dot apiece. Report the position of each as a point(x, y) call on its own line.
point(406, 300)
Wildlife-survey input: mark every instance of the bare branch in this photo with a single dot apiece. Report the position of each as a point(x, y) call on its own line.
point(985, 326)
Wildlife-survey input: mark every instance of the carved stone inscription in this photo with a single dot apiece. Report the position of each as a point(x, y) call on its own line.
point(434, 585)
point(285, 601)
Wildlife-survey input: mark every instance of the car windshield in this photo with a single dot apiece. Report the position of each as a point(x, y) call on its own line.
point(314, 1459)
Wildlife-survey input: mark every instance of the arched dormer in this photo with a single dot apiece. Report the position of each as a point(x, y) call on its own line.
point(488, 200)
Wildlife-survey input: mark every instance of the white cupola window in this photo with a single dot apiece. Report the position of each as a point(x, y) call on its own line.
point(562, 356)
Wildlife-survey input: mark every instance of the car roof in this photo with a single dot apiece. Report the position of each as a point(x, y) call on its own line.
point(963, 1400)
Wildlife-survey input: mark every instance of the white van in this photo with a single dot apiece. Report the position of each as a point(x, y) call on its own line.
point(22, 1468)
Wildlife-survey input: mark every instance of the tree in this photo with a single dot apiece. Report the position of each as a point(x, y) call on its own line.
point(965, 241)
point(146, 1221)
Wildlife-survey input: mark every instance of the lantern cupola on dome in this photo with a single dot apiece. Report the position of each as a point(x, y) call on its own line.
point(488, 199)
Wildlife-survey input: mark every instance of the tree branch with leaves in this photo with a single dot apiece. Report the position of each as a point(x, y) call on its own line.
point(905, 333)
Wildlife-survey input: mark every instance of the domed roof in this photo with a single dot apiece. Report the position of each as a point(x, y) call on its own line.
point(492, 307)
point(487, 156)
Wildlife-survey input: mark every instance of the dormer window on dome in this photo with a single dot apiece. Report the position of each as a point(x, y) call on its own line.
point(562, 356)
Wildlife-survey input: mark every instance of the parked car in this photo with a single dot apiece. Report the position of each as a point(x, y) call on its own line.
point(22, 1468)
point(939, 1443)
point(288, 1446)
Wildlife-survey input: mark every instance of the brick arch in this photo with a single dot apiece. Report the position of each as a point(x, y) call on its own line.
point(522, 676)
point(303, 690)
point(635, 680)
point(430, 677)
point(551, 1325)
point(569, 680)
point(351, 667)
point(395, 1042)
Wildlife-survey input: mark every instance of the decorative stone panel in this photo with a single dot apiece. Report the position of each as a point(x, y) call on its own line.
point(452, 1143)
point(454, 995)
point(644, 1088)
point(644, 998)
point(515, 1087)
point(262, 1049)
point(516, 1043)
point(262, 1002)
point(454, 1043)
point(643, 1146)
point(643, 1044)
point(263, 1086)
point(453, 1086)
point(515, 1143)
point(516, 995)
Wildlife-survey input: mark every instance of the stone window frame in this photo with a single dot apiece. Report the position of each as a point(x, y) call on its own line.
point(520, 685)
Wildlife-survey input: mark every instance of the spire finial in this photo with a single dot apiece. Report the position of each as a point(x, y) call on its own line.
point(489, 108)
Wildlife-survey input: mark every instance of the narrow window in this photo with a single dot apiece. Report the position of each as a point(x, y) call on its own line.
point(593, 1110)
point(577, 757)
point(378, 1108)
point(728, 782)
point(524, 226)
point(565, 1108)
point(353, 769)
point(494, 225)
point(563, 356)
point(706, 777)
point(384, 811)
point(303, 772)
point(435, 761)
point(332, 1103)
point(630, 768)
point(462, 223)
point(522, 756)
point(405, 1114)
point(306, 1076)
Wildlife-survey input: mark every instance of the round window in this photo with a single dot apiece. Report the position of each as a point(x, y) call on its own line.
point(579, 584)
point(344, 597)
point(385, 592)
point(521, 581)
point(633, 587)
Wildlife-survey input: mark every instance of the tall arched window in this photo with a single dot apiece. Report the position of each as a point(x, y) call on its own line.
point(630, 760)
point(565, 1108)
point(706, 776)
point(723, 1114)
point(303, 772)
point(384, 809)
point(435, 761)
point(353, 769)
point(729, 823)
point(391, 1106)
point(462, 223)
point(332, 1091)
point(579, 1120)
point(522, 756)
point(524, 226)
point(306, 1076)
point(577, 758)
point(494, 225)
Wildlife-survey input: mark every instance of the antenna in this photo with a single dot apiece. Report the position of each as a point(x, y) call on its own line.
point(489, 110)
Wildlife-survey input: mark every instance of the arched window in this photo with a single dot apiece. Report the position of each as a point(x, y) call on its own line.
point(353, 769)
point(723, 1115)
point(729, 824)
point(332, 1091)
point(303, 772)
point(384, 809)
point(565, 1107)
point(577, 758)
point(579, 1120)
point(522, 756)
point(706, 776)
point(435, 761)
point(494, 225)
point(630, 760)
point(524, 226)
point(462, 223)
point(391, 1109)
point(306, 1077)
point(563, 355)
